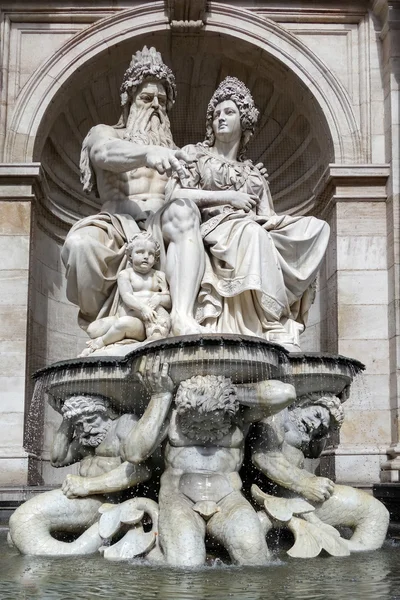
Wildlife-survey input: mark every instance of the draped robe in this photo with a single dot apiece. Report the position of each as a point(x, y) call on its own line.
point(260, 267)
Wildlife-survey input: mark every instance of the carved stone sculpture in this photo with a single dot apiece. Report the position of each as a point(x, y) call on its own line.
point(128, 167)
point(200, 426)
point(200, 487)
point(301, 432)
point(144, 300)
point(94, 435)
point(232, 264)
point(260, 267)
point(228, 265)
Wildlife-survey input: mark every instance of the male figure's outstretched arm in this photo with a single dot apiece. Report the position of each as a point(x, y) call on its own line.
point(108, 152)
point(121, 478)
point(265, 399)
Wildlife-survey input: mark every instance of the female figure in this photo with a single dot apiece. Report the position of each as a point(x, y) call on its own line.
point(260, 267)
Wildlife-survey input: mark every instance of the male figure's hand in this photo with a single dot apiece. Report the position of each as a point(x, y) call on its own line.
point(156, 378)
point(316, 489)
point(75, 486)
point(165, 160)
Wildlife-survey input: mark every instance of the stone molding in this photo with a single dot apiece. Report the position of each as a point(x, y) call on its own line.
point(27, 182)
point(351, 183)
point(26, 133)
point(17, 180)
point(313, 13)
point(186, 16)
point(24, 173)
point(345, 449)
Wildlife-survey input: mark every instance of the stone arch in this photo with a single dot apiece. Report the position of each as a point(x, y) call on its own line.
point(39, 98)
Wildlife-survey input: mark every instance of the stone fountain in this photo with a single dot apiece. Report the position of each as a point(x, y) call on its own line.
point(193, 293)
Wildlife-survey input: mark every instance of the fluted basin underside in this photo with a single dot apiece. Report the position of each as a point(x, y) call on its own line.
point(244, 359)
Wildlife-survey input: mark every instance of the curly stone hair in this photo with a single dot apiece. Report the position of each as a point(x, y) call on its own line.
point(147, 64)
point(86, 404)
point(329, 401)
point(142, 236)
point(206, 394)
point(335, 407)
point(233, 89)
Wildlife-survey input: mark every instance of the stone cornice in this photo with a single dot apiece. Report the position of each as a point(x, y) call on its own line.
point(351, 183)
point(312, 12)
point(21, 182)
point(23, 173)
point(17, 180)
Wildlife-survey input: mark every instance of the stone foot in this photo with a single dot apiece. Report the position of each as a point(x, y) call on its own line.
point(92, 346)
point(184, 325)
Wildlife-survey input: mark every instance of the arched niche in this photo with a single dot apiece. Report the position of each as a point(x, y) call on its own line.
point(306, 123)
point(306, 120)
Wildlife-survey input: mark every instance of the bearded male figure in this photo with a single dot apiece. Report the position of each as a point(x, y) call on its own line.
point(279, 447)
point(203, 427)
point(93, 434)
point(128, 165)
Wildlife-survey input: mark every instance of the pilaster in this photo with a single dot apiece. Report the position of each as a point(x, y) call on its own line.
point(354, 203)
point(16, 197)
point(388, 13)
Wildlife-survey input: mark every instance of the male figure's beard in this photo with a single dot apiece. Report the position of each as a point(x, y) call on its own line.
point(95, 437)
point(149, 126)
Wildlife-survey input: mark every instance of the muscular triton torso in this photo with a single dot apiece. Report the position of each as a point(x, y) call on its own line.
point(202, 471)
point(120, 192)
point(107, 455)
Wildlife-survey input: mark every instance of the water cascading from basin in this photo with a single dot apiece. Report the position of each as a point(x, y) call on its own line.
point(246, 363)
point(244, 359)
point(214, 257)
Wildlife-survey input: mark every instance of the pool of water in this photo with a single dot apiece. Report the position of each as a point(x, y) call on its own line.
point(367, 576)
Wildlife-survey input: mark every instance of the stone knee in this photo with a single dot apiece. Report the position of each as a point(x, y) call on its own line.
point(81, 242)
point(180, 218)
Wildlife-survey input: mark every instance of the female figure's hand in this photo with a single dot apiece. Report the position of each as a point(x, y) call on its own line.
point(242, 201)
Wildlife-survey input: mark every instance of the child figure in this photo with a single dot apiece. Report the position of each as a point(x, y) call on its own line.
point(144, 300)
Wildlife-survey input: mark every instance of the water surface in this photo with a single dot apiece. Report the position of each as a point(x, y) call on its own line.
point(367, 576)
